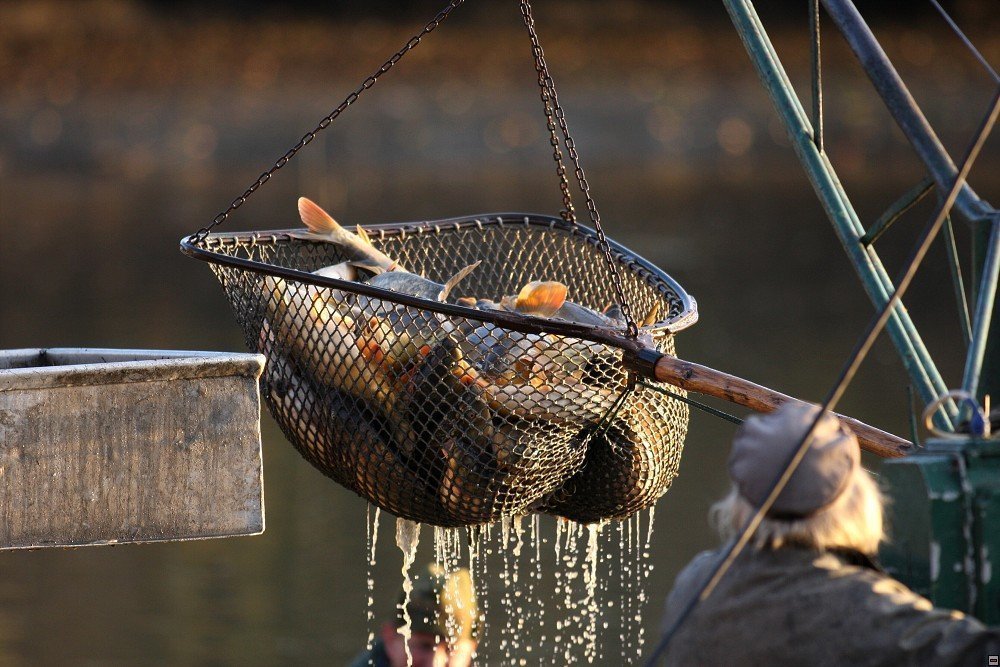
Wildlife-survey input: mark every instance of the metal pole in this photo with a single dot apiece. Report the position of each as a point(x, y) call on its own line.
point(828, 188)
point(982, 368)
point(902, 106)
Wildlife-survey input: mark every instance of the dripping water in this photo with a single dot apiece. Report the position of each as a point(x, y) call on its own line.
point(647, 569)
point(407, 537)
point(550, 591)
point(590, 581)
point(371, 539)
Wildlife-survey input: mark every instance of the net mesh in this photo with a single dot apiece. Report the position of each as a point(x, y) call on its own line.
point(452, 420)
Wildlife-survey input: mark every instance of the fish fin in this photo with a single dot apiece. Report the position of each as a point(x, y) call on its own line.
point(363, 235)
point(541, 298)
point(651, 316)
point(371, 266)
point(455, 279)
point(315, 218)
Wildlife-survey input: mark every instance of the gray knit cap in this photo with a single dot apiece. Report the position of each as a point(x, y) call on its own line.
point(764, 443)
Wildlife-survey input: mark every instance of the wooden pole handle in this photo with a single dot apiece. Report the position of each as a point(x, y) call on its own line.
point(708, 381)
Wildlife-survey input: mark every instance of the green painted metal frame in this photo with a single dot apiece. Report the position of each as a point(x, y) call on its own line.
point(917, 360)
point(988, 265)
point(945, 538)
point(955, 267)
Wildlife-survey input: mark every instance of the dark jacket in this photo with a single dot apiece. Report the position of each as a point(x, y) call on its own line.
point(376, 657)
point(794, 606)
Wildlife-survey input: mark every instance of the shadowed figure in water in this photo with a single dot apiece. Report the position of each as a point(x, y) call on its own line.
point(440, 619)
point(807, 591)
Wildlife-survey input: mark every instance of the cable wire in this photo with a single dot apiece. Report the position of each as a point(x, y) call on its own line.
point(968, 42)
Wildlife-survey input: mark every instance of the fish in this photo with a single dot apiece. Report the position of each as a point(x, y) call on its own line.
point(548, 299)
point(320, 337)
point(347, 271)
point(341, 435)
point(357, 248)
point(471, 488)
point(628, 465)
point(507, 356)
point(557, 356)
point(496, 351)
point(544, 377)
point(508, 473)
point(436, 401)
point(405, 282)
point(614, 311)
point(566, 402)
point(396, 335)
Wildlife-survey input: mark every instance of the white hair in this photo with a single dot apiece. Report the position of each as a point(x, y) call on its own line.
point(852, 521)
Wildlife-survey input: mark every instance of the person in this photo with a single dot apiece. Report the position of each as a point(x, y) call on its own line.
point(806, 590)
point(440, 618)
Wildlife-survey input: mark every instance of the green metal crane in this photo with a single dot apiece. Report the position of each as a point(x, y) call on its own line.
point(945, 509)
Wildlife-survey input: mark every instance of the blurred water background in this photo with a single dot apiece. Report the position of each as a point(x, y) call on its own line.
point(126, 125)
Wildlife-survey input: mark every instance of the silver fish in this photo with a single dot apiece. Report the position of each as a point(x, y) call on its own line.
point(321, 338)
point(507, 356)
point(414, 285)
point(436, 399)
point(568, 401)
point(332, 430)
point(396, 335)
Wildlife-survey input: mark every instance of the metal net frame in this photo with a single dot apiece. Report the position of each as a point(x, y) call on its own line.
point(493, 414)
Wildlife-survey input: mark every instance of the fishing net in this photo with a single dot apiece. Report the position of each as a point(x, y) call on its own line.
point(440, 439)
point(457, 413)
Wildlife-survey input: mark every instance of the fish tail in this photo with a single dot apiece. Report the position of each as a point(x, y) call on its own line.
point(316, 219)
point(358, 248)
point(541, 298)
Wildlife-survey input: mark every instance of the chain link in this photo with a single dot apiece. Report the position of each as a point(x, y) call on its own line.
point(552, 107)
point(569, 212)
point(200, 235)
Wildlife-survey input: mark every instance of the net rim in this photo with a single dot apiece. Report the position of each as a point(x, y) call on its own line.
point(201, 248)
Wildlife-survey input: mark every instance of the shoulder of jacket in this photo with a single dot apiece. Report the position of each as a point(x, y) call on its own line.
point(693, 574)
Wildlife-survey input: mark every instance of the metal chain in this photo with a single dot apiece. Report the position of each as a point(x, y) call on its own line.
point(552, 104)
point(569, 212)
point(200, 235)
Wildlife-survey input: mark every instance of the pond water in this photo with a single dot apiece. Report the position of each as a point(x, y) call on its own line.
point(100, 178)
